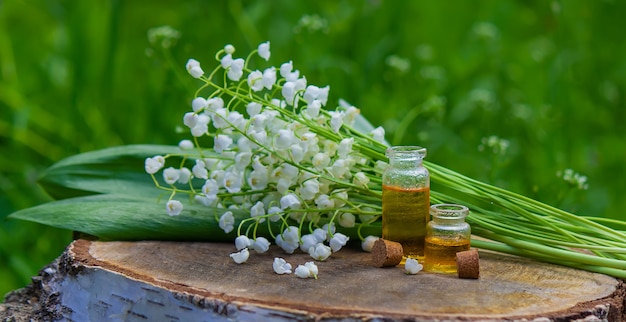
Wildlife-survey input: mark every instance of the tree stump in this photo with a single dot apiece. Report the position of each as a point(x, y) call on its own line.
point(177, 281)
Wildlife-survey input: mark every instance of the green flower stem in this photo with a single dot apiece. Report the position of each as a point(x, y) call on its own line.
point(508, 249)
point(563, 254)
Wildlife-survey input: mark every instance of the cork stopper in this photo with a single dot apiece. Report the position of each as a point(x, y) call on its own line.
point(386, 253)
point(467, 264)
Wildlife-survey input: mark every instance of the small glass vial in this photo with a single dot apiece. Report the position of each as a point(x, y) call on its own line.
point(406, 199)
point(446, 234)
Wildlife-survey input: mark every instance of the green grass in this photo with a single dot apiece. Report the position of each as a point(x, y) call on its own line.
point(548, 77)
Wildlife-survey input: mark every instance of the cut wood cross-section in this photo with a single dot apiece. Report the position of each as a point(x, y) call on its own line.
point(177, 281)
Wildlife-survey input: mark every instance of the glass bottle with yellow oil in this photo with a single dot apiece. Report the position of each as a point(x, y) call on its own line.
point(446, 234)
point(406, 199)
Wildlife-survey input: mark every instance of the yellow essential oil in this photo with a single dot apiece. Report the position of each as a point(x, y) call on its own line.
point(446, 234)
point(405, 215)
point(440, 254)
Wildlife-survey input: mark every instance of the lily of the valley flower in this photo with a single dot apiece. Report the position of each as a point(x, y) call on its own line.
point(264, 50)
point(320, 252)
point(193, 67)
point(261, 245)
point(174, 207)
point(308, 241)
point(346, 219)
point(285, 163)
point(309, 269)
point(337, 241)
point(412, 267)
point(241, 256)
point(171, 175)
point(154, 164)
point(242, 242)
point(281, 266)
point(185, 145)
point(227, 222)
point(368, 243)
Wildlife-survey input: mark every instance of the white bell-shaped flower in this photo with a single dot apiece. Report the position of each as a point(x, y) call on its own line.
point(242, 241)
point(412, 266)
point(210, 187)
point(320, 252)
point(368, 243)
point(346, 219)
point(290, 201)
point(253, 108)
point(199, 170)
point(232, 181)
point(154, 164)
point(241, 256)
point(281, 266)
point(198, 104)
point(171, 175)
point(269, 77)
point(255, 80)
point(227, 222)
point(338, 241)
point(307, 241)
point(194, 69)
point(258, 210)
point(174, 207)
point(261, 245)
point(264, 50)
point(222, 142)
point(302, 272)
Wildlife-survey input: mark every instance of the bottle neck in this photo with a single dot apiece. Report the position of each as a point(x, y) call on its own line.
point(409, 155)
point(447, 220)
point(449, 214)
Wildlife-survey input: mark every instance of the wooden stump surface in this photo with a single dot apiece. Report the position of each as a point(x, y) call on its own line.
point(179, 281)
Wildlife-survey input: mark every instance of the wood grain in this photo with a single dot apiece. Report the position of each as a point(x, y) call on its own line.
point(198, 281)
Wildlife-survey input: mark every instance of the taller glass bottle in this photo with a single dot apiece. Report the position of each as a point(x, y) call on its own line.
point(406, 199)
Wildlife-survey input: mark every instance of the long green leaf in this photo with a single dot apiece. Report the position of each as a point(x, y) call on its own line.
point(124, 217)
point(116, 170)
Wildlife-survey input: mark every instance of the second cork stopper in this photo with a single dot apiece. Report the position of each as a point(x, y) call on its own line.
point(386, 253)
point(467, 263)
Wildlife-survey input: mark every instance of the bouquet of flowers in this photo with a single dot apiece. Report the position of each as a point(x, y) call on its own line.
point(268, 162)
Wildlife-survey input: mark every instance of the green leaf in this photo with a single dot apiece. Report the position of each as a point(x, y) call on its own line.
point(123, 217)
point(118, 170)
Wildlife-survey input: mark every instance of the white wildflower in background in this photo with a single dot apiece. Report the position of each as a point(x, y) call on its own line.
point(163, 36)
point(573, 179)
point(311, 23)
point(494, 144)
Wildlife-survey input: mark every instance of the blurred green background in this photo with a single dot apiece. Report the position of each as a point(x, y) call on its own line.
point(510, 92)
